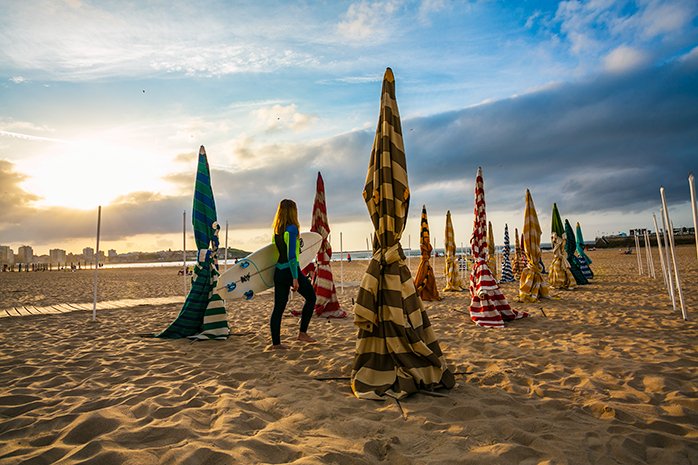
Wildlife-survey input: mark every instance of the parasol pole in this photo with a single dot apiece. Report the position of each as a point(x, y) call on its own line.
point(638, 258)
point(648, 249)
point(94, 302)
point(673, 253)
point(672, 295)
point(692, 185)
point(225, 254)
point(659, 249)
point(184, 249)
point(341, 263)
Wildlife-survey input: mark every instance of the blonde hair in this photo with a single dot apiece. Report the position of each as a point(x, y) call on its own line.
point(286, 214)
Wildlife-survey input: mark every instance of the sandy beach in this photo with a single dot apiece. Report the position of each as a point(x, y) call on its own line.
point(603, 374)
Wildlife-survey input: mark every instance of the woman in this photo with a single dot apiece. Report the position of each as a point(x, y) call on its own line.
point(287, 274)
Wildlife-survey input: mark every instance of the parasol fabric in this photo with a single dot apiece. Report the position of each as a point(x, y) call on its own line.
point(327, 304)
point(203, 314)
point(571, 248)
point(560, 275)
point(491, 257)
point(488, 306)
point(507, 273)
point(531, 285)
point(425, 280)
point(397, 352)
point(517, 265)
point(584, 259)
point(453, 281)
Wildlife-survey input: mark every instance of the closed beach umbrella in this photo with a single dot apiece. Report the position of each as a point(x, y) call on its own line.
point(203, 314)
point(453, 281)
point(524, 259)
point(424, 280)
point(326, 304)
point(571, 248)
point(531, 285)
point(507, 273)
point(397, 352)
point(560, 275)
point(488, 306)
point(517, 255)
point(584, 259)
point(491, 257)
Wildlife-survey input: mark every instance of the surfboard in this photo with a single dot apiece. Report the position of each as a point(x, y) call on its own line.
point(255, 273)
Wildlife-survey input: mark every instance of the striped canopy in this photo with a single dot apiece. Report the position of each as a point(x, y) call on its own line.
point(425, 280)
point(453, 281)
point(571, 248)
point(203, 314)
point(488, 306)
point(507, 273)
point(560, 275)
point(397, 352)
point(532, 286)
point(327, 304)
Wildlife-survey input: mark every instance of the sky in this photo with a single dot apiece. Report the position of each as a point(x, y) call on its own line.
point(592, 105)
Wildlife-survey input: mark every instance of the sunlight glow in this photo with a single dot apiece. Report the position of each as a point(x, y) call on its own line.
point(91, 172)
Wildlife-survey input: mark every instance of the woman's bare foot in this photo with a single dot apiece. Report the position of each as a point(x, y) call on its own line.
point(279, 347)
point(305, 338)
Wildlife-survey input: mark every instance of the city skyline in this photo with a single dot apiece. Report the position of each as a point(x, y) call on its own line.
point(590, 105)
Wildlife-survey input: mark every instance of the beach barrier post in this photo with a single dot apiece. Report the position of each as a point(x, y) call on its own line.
point(659, 250)
point(673, 253)
point(692, 185)
point(94, 302)
point(225, 255)
point(184, 249)
point(341, 263)
point(648, 249)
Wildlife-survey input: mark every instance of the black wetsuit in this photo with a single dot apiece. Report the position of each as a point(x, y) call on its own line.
point(284, 273)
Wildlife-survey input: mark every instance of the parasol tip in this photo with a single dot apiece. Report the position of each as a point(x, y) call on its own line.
point(202, 150)
point(389, 75)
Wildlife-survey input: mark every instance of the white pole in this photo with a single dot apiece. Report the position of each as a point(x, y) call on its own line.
point(94, 302)
point(341, 263)
point(409, 254)
point(672, 294)
point(433, 258)
point(648, 249)
point(184, 249)
point(673, 253)
point(225, 255)
point(692, 185)
point(637, 253)
point(659, 249)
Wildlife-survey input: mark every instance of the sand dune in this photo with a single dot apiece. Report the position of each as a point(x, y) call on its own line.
point(608, 376)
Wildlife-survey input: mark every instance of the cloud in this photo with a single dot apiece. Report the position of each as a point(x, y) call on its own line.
point(279, 117)
point(367, 21)
point(624, 58)
point(18, 79)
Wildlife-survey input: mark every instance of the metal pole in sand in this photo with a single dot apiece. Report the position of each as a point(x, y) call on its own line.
point(341, 263)
point(673, 253)
point(409, 253)
point(184, 249)
point(648, 249)
point(638, 257)
point(659, 249)
point(94, 302)
point(669, 273)
point(225, 255)
point(692, 185)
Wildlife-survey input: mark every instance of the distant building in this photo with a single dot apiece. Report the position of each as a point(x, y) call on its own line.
point(88, 254)
point(112, 254)
point(7, 256)
point(25, 254)
point(57, 256)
